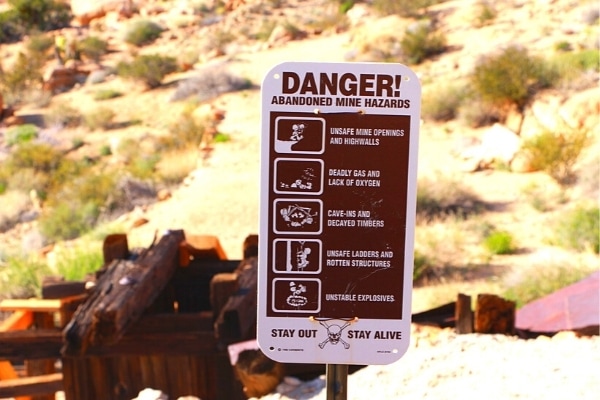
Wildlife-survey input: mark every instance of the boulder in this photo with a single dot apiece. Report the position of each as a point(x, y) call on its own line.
point(582, 110)
point(85, 11)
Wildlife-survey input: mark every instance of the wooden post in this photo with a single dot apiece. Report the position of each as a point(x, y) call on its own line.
point(463, 314)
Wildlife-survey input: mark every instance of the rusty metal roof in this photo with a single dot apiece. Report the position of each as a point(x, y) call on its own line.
point(574, 307)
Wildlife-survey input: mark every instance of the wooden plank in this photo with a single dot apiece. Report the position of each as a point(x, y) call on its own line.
point(30, 344)
point(39, 305)
point(121, 295)
point(34, 386)
point(34, 305)
point(45, 366)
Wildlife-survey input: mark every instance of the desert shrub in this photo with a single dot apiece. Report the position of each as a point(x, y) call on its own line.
point(485, 14)
point(40, 43)
point(557, 153)
point(563, 45)
point(100, 118)
point(63, 114)
point(499, 242)
point(143, 166)
point(14, 203)
point(68, 221)
point(142, 32)
point(443, 197)
point(221, 137)
point(404, 8)
point(578, 229)
point(25, 75)
point(93, 47)
point(107, 94)
point(571, 65)
point(443, 103)
point(22, 276)
point(76, 205)
point(176, 164)
point(39, 156)
point(28, 179)
point(75, 263)
point(208, 84)
point(148, 69)
point(186, 131)
point(20, 134)
point(11, 29)
point(421, 42)
point(43, 15)
point(542, 280)
point(510, 78)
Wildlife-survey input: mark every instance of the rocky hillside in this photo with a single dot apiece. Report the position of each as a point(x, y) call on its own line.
point(245, 38)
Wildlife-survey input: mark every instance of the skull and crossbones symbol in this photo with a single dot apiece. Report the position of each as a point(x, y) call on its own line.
point(334, 334)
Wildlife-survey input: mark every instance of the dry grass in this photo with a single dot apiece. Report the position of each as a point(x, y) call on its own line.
point(176, 164)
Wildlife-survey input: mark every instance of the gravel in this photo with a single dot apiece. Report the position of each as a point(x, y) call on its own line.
point(443, 365)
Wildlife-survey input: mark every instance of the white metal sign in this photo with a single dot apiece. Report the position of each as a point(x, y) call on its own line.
point(338, 193)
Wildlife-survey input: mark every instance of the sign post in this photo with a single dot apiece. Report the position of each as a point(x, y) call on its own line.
point(338, 199)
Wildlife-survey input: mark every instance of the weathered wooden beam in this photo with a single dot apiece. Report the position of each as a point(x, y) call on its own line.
point(463, 314)
point(31, 386)
point(30, 344)
point(121, 295)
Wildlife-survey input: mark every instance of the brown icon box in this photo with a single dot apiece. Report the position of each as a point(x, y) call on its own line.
point(299, 216)
point(296, 295)
point(296, 256)
point(299, 135)
point(298, 175)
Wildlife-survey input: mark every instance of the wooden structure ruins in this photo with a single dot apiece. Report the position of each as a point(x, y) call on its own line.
point(160, 317)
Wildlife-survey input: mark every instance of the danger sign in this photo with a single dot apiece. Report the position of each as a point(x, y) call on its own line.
point(338, 193)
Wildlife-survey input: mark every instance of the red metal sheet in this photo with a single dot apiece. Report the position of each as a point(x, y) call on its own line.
point(574, 307)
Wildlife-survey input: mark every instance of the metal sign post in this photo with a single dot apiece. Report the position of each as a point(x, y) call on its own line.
point(338, 199)
point(337, 381)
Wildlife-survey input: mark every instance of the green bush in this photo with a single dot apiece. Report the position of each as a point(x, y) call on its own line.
point(421, 42)
point(499, 242)
point(579, 229)
point(93, 47)
point(510, 78)
point(23, 277)
point(76, 263)
point(404, 8)
point(11, 29)
point(485, 14)
point(442, 103)
point(68, 221)
point(39, 156)
point(148, 69)
point(142, 32)
point(107, 94)
point(100, 118)
point(40, 43)
point(540, 281)
point(43, 15)
point(76, 205)
point(571, 65)
point(557, 153)
point(20, 134)
point(24, 76)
